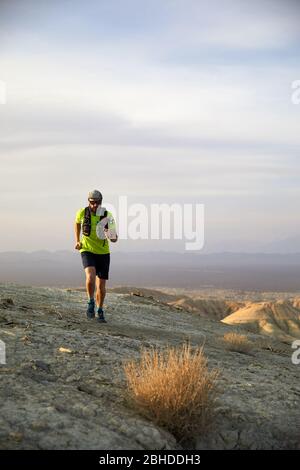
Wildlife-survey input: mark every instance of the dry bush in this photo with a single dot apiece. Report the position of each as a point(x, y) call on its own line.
point(237, 342)
point(173, 388)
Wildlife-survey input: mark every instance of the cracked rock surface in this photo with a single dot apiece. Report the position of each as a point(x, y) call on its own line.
point(63, 385)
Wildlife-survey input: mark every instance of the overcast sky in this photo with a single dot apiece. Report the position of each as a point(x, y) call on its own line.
point(177, 101)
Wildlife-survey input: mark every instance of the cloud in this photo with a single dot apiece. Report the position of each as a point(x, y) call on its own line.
point(224, 24)
point(164, 25)
point(150, 106)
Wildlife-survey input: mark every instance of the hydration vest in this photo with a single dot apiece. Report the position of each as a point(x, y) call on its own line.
point(87, 223)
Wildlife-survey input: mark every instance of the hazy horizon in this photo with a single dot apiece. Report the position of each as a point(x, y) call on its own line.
point(261, 272)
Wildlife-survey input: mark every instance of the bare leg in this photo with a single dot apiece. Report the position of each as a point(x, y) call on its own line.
point(90, 273)
point(101, 291)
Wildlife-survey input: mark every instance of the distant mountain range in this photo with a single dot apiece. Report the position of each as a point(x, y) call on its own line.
point(280, 246)
point(286, 245)
point(246, 271)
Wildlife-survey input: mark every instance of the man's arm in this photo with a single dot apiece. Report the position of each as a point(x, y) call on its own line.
point(77, 229)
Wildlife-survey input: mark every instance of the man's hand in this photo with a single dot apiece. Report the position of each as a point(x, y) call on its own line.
point(78, 246)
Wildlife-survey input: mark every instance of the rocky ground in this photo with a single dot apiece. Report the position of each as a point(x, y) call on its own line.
point(63, 386)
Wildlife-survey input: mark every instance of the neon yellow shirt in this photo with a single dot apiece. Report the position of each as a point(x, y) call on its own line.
point(93, 243)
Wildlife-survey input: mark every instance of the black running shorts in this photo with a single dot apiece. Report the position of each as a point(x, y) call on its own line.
point(100, 263)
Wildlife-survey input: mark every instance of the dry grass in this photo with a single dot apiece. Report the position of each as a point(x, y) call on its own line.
point(173, 388)
point(237, 342)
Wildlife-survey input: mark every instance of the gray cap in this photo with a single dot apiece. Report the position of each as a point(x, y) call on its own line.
point(95, 195)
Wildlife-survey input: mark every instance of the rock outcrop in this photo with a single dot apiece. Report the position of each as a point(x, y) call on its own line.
point(279, 320)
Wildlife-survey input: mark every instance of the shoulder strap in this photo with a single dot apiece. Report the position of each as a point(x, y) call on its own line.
point(86, 225)
point(106, 226)
point(103, 216)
